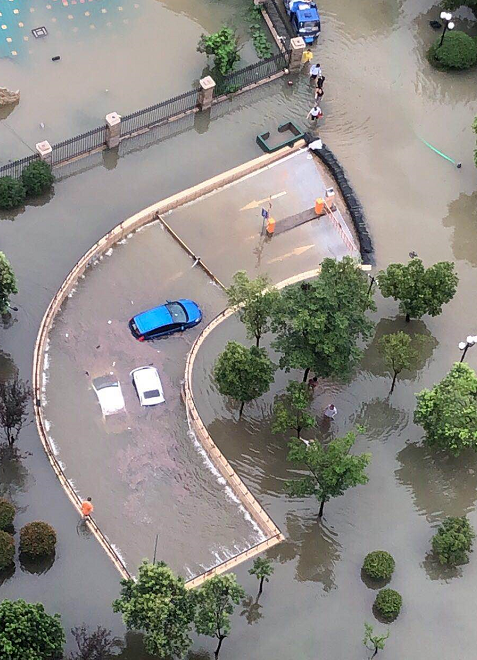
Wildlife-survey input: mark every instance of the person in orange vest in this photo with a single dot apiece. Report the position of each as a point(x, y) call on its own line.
point(87, 508)
point(270, 226)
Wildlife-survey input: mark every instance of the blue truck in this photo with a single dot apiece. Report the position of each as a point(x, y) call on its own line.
point(304, 18)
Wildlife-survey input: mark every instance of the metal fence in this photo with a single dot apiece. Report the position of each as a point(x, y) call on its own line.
point(262, 70)
point(16, 168)
point(155, 114)
point(280, 23)
point(79, 145)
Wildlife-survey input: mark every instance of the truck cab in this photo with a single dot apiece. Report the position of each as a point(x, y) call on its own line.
point(304, 18)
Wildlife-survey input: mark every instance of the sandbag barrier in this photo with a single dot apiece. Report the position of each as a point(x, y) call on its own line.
point(353, 205)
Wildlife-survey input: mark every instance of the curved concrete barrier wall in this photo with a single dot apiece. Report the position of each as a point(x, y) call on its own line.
point(122, 230)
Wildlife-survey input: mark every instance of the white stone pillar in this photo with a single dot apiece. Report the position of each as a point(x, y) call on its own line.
point(297, 48)
point(113, 123)
point(206, 94)
point(45, 151)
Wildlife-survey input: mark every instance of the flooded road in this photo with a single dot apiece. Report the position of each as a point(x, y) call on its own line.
point(381, 98)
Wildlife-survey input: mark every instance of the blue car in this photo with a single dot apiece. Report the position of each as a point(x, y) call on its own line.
point(174, 316)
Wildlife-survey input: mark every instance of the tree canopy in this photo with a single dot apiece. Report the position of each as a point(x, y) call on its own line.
point(453, 540)
point(243, 373)
point(372, 641)
point(255, 301)
point(419, 290)
point(262, 568)
point(215, 601)
point(332, 469)
point(27, 632)
point(291, 410)
point(398, 353)
point(448, 412)
point(158, 604)
point(14, 398)
point(8, 283)
point(223, 46)
point(319, 323)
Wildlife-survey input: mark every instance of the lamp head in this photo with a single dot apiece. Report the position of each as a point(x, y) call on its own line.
point(462, 345)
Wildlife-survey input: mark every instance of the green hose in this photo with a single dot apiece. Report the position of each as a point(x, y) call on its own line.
point(451, 160)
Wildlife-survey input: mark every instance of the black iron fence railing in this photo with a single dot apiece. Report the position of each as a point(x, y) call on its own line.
point(79, 145)
point(155, 114)
point(15, 168)
point(254, 73)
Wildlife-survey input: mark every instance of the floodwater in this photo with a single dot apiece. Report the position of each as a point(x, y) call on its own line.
point(381, 98)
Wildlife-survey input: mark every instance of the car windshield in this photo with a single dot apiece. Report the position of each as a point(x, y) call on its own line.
point(177, 312)
point(309, 24)
point(152, 394)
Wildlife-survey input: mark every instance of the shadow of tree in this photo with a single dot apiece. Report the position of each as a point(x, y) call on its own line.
point(462, 217)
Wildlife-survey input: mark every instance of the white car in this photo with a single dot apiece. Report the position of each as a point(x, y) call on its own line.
point(148, 386)
point(110, 396)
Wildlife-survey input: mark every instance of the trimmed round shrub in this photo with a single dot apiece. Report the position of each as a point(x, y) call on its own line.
point(453, 540)
point(458, 51)
point(37, 178)
point(379, 565)
point(37, 539)
point(7, 550)
point(388, 603)
point(7, 513)
point(12, 192)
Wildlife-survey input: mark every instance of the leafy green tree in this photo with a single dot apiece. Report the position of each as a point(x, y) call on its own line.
point(457, 52)
point(8, 283)
point(453, 540)
point(14, 398)
point(448, 412)
point(263, 570)
point(419, 290)
point(291, 411)
point(243, 373)
point(255, 301)
point(332, 469)
point(373, 642)
point(12, 193)
point(388, 603)
point(27, 632)
point(398, 353)
point(95, 645)
point(223, 46)
point(319, 323)
point(37, 178)
point(7, 514)
point(159, 604)
point(215, 601)
point(7, 551)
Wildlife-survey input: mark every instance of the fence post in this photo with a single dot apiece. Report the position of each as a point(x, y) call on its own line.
point(113, 133)
point(45, 151)
point(206, 93)
point(297, 48)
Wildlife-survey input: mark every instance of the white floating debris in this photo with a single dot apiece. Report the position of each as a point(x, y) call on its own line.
point(111, 373)
point(42, 125)
point(67, 335)
point(114, 363)
point(109, 322)
point(109, 252)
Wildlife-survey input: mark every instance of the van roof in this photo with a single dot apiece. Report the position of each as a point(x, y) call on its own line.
point(152, 319)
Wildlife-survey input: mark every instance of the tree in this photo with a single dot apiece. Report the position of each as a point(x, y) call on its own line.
point(377, 642)
point(96, 645)
point(223, 46)
point(398, 354)
point(255, 301)
point(37, 178)
point(457, 52)
point(291, 412)
point(453, 540)
point(159, 604)
point(419, 290)
point(332, 469)
point(8, 283)
point(243, 373)
point(14, 398)
point(27, 632)
point(319, 323)
point(263, 569)
point(448, 412)
point(12, 192)
point(215, 601)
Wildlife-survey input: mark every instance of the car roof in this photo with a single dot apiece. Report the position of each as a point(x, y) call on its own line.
point(109, 395)
point(146, 377)
point(153, 318)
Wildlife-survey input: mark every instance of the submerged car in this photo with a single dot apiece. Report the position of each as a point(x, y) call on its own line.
point(148, 386)
point(174, 316)
point(110, 396)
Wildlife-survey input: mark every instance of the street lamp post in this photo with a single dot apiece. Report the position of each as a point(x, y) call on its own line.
point(465, 345)
point(448, 25)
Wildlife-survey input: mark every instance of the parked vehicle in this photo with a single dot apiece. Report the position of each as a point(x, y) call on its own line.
point(110, 396)
point(304, 18)
point(174, 316)
point(148, 386)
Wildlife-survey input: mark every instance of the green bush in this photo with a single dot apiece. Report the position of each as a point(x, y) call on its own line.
point(379, 565)
point(453, 540)
point(7, 513)
point(458, 51)
point(37, 178)
point(12, 192)
point(223, 45)
point(27, 632)
point(37, 539)
point(7, 550)
point(388, 603)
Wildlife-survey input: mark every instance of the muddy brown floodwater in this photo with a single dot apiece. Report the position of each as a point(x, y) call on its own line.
point(381, 100)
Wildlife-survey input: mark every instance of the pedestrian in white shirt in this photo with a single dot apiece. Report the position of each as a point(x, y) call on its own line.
point(330, 411)
point(315, 71)
point(315, 113)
